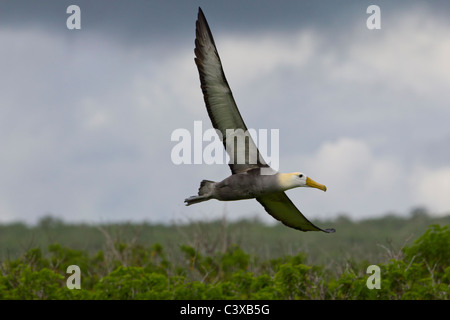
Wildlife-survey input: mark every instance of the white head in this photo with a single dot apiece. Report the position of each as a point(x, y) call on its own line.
point(298, 179)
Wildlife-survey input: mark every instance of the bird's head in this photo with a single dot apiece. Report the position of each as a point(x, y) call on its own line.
point(298, 179)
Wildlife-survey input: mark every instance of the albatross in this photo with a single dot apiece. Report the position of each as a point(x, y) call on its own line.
point(251, 177)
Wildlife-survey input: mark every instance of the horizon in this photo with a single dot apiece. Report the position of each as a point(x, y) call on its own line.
point(56, 220)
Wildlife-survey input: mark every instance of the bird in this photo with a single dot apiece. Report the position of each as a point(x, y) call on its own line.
point(249, 179)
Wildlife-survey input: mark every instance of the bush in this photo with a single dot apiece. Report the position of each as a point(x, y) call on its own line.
point(138, 272)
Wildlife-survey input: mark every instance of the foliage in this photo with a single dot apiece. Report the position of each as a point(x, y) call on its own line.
point(134, 271)
point(353, 240)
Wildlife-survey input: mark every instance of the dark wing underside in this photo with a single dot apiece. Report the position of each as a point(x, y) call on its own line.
point(222, 109)
point(279, 206)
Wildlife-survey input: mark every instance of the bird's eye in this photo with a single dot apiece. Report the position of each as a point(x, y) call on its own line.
point(300, 175)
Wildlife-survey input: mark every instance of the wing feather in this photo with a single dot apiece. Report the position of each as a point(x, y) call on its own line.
point(220, 104)
point(279, 206)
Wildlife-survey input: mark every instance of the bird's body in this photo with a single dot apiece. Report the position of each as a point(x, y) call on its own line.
point(252, 178)
point(247, 185)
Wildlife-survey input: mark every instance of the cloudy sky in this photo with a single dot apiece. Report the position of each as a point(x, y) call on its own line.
point(86, 116)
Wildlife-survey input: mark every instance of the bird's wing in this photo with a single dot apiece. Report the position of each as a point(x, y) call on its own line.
point(222, 109)
point(279, 206)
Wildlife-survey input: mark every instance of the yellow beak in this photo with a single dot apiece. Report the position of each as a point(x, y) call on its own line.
point(311, 183)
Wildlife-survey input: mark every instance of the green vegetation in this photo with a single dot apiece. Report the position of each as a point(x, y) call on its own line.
point(241, 260)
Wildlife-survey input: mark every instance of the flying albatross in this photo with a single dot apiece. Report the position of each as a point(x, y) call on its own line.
point(251, 176)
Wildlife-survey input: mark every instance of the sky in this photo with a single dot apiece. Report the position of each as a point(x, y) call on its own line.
point(86, 116)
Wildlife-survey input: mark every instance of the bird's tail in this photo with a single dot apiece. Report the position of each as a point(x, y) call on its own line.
point(204, 193)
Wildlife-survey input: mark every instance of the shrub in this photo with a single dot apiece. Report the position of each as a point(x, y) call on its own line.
point(139, 272)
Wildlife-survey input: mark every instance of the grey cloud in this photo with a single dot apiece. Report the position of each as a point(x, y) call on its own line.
point(148, 21)
point(87, 116)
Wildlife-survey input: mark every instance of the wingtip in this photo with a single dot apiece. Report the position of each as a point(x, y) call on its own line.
point(200, 12)
point(201, 20)
point(329, 230)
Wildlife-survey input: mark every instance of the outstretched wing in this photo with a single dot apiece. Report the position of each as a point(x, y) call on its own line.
point(279, 206)
point(222, 109)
